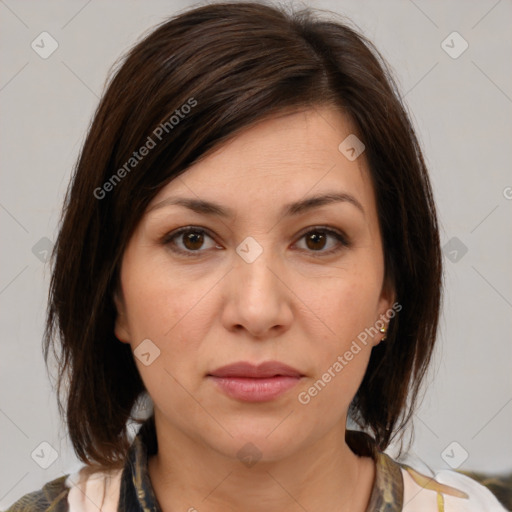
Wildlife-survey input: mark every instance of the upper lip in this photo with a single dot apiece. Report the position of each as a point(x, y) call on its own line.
point(260, 371)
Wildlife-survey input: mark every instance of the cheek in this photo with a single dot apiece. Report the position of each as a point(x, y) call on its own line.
point(161, 302)
point(340, 361)
point(172, 310)
point(344, 305)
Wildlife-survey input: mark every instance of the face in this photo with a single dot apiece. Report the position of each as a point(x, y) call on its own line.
point(254, 279)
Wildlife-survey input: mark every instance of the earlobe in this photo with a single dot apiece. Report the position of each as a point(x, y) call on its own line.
point(121, 330)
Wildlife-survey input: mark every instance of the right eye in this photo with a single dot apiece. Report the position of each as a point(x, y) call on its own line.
point(188, 241)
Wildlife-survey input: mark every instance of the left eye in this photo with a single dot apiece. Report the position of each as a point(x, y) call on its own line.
point(316, 240)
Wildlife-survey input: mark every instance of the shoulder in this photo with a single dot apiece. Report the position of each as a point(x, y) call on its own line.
point(409, 485)
point(51, 497)
point(499, 485)
point(82, 491)
point(445, 490)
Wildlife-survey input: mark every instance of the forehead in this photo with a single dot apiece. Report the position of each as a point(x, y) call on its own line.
point(278, 160)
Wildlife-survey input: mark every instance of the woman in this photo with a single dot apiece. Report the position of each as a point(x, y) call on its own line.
point(249, 240)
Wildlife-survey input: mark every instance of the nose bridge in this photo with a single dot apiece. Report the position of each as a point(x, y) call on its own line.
point(252, 270)
point(259, 300)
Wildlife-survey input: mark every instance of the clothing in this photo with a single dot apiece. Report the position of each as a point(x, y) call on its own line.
point(397, 486)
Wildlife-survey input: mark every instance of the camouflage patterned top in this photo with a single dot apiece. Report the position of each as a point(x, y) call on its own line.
point(397, 487)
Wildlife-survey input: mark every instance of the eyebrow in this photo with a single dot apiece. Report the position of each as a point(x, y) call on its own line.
point(291, 209)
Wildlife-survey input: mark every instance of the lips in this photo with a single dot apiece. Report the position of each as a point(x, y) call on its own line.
point(264, 370)
point(247, 382)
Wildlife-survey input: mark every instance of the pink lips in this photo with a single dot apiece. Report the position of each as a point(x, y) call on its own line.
point(247, 382)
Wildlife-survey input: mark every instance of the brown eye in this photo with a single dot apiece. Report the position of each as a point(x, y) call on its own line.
point(189, 241)
point(316, 240)
point(193, 240)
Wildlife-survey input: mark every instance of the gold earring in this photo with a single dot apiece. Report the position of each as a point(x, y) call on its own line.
point(383, 330)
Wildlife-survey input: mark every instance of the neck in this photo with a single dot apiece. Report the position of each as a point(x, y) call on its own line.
point(324, 475)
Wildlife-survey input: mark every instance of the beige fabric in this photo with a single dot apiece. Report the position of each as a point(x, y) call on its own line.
point(93, 493)
point(447, 491)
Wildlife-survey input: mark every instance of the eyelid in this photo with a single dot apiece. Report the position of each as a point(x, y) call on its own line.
point(326, 229)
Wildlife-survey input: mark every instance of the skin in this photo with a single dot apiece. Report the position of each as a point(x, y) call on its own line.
point(295, 304)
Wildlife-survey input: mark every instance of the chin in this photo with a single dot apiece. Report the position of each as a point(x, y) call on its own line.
point(266, 441)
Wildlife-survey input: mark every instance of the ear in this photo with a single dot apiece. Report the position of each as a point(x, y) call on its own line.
point(387, 297)
point(121, 329)
point(386, 307)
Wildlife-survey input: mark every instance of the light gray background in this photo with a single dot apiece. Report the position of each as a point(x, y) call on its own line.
point(462, 110)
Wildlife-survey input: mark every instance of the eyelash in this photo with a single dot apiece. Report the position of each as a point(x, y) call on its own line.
point(168, 240)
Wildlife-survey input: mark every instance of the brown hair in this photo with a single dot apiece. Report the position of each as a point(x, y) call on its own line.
point(232, 64)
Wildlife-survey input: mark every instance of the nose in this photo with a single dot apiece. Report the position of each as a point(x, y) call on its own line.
point(257, 298)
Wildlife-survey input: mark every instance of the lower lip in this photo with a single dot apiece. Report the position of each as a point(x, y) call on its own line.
point(255, 390)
